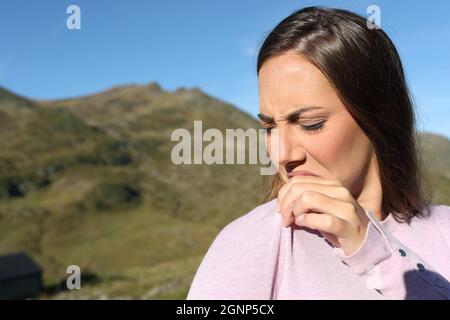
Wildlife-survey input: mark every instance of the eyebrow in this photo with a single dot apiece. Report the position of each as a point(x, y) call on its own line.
point(291, 117)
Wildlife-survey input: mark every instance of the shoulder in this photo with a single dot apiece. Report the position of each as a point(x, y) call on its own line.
point(257, 229)
point(433, 215)
point(239, 261)
point(440, 214)
point(260, 219)
point(434, 221)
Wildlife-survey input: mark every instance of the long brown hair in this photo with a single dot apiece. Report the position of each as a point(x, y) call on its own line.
point(364, 67)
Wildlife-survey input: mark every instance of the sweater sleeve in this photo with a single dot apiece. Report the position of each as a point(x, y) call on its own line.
point(392, 269)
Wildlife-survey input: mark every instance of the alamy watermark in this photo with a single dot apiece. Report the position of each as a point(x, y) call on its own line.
point(374, 18)
point(74, 20)
point(238, 146)
point(74, 280)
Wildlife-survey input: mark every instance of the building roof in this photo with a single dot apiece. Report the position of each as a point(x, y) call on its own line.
point(17, 265)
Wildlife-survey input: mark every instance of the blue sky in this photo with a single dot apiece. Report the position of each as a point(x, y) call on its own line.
point(199, 43)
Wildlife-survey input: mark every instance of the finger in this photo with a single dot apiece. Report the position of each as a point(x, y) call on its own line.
point(312, 201)
point(288, 219)
point(303, 179)
point(316, 179)
point(297, 189)
point(286, 203)
point(323, 222)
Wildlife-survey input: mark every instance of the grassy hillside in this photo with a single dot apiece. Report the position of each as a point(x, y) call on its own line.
point(89, 181)
point(436, 154)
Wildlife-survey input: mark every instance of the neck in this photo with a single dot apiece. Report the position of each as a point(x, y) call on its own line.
point(371, 195)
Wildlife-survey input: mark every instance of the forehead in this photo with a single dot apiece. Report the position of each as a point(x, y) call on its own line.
point(289, 80)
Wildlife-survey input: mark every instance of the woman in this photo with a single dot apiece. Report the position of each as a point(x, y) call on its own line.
point(347, 218)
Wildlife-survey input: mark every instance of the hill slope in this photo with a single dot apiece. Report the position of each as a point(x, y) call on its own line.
point(90, 182)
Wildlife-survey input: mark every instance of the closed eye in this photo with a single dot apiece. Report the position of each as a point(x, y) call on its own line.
point(313, 127)
point(309, 128)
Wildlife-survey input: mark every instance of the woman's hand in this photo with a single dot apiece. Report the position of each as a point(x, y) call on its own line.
point(325, 205)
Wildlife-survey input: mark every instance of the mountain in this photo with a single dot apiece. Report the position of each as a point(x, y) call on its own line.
point(89, 181)
point(436, 152)
point(8, 99)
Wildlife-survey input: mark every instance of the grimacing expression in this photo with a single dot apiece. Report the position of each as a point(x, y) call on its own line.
point(315, 132)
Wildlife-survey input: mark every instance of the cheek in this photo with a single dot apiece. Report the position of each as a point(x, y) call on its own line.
point(342, 148)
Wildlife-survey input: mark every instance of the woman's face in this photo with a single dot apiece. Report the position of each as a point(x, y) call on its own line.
point(324, 140)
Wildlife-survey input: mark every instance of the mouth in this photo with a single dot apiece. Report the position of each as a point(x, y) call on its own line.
point(301, 173)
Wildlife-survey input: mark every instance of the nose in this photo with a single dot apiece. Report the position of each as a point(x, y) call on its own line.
point(290, 149)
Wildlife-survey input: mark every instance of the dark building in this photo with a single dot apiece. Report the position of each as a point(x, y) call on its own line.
point(20, 276)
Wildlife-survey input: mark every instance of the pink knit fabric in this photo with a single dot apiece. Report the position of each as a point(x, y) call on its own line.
point(256, 257)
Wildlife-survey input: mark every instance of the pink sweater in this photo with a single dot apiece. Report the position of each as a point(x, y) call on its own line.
point(256, 257)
